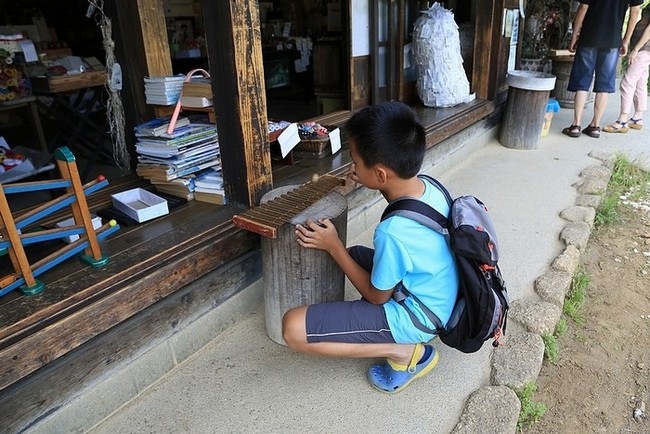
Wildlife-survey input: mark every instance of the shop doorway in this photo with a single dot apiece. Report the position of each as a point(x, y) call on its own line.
point(305, 54)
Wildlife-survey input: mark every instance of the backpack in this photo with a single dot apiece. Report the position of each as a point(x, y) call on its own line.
point(481, 310)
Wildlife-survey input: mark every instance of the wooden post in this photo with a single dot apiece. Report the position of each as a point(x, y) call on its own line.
point(234, 44)
point(294, 275)
point(524, 116)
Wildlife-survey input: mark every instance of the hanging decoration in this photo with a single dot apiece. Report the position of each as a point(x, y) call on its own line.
point(114, 107)
point(441, 77)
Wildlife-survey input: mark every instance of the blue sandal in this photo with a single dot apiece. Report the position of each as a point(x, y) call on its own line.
point(392, 377)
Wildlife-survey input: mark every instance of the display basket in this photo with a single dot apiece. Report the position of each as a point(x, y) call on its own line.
point(316, 147)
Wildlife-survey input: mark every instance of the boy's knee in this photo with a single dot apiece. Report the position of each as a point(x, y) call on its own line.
point(291, 327)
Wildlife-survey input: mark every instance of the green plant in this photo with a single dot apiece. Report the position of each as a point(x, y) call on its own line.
point(627, 176)
point(551, 344)
point(576, 296)
point(548, 26)
point(551, 350)
point(561, 328)
point(531, 410)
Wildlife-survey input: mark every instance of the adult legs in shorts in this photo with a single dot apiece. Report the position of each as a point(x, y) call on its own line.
point(587, 62)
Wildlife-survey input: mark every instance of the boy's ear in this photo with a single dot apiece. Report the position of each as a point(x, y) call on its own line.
point(381, 174)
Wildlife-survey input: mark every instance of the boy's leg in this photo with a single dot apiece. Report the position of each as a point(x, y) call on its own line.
point(295, 335)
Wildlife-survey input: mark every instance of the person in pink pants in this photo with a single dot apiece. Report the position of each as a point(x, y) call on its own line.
point(634, 85)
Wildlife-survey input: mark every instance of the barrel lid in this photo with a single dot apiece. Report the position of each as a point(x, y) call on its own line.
point(530, 80)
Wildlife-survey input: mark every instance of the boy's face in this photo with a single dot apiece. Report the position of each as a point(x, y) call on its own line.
point(359, 172)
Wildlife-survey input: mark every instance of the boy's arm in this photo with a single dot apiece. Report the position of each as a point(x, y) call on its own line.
point(323, 236)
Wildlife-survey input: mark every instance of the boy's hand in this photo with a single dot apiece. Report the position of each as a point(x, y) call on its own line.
point(318, 235)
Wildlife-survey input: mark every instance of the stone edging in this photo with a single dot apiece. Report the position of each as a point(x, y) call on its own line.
point(495, 408)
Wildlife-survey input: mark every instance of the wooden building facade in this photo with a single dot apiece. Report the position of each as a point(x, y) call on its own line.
point(155, 269)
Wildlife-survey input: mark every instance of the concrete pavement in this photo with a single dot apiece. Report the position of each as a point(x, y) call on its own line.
point(243, 382)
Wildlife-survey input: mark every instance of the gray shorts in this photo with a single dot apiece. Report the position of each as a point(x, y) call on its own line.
point(347, 321)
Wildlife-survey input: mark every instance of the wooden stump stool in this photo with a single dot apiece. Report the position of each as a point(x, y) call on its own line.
point(294, 275)
point(525, 109)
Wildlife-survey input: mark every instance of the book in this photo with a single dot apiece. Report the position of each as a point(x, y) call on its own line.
point(163, 173)
point(196, 101)
point(158, 126)
point(175, 154)
point(174, 165)
point(181, 136)
point(201, 87)
point(164, 80)
point(163, 90)
point(209, 182)
point(217, 199)
point(177, 190)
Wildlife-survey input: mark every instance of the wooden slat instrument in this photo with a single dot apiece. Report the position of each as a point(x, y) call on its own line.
point(266, 218)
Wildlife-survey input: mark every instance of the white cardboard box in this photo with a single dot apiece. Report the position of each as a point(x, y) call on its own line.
point(140, 204)
point(97, 223)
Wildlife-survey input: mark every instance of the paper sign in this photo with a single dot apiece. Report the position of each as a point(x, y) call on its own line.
point(29, 51)
point(335, 140)
point(299, 66)
point(288, 139)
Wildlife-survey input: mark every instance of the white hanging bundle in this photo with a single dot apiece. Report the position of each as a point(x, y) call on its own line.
point(441, 78)
point(114, 107)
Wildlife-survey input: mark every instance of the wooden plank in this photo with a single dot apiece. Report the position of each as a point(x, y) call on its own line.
point(154, 37)
point(235, 58)
point(126, 297)
point(484, 73)
point(68, 83)
point(53, 387)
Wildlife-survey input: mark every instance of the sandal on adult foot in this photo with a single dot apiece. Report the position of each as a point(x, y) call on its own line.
point(592, 131)
point(392, 377)
point(617, 127)
point(636, 124)
point(572, 131)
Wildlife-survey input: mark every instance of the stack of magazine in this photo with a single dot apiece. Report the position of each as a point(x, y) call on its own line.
point(173, 162)
point(163, 90)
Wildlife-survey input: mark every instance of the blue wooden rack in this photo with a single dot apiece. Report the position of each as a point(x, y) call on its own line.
point(24, 275)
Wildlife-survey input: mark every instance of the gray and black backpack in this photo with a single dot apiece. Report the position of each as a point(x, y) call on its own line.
point(480, 312)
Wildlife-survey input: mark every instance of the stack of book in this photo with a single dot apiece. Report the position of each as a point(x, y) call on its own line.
point(209, 187)
point(163, 90)
point(173, 161)
point(197, 93)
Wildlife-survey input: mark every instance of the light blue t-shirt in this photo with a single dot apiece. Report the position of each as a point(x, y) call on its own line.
point(419, 257)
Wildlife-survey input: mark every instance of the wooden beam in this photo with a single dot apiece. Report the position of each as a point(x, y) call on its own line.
point(484, 70)
point(154, 36)
point(235, 58)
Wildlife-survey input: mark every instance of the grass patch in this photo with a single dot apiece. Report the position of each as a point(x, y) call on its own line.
point(561, 328)
point(627, 176)
point(576, 296)
point(551, 348)
point(531, 410)
point(551, 343)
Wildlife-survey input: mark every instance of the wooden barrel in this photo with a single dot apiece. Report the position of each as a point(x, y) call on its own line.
point(525, 109)
point(562, 70)
point(294, 275)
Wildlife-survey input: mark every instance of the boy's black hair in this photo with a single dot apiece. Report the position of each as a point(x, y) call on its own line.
point(389, 134)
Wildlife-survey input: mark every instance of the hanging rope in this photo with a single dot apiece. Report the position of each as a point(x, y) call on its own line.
point(114, 107)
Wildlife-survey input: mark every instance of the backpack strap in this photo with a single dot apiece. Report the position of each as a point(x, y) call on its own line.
point(439, 186)
point(400, 294)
